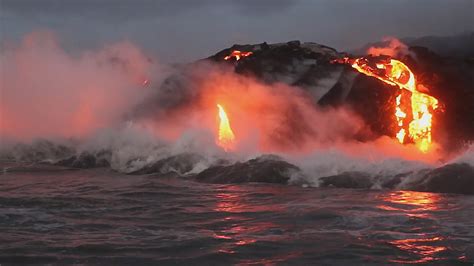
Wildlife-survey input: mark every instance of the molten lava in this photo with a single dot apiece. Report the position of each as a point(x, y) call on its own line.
point(226, 136)
point(396, 73)
point(237, 55)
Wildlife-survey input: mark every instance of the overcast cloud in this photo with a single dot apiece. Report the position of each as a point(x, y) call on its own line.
point(185, 30)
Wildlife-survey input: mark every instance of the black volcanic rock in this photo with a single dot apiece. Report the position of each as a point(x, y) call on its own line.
point(452, 178)
point(293, 63)
point(337, 95)
point(347, 180)
point(374, 101)
point(265, 169)
point(393, 181)
point(305, 65)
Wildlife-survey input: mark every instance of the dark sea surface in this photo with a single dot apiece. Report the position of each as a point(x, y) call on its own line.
point(103, 217)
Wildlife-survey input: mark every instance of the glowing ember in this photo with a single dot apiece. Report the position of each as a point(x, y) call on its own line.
point(237, 55)
point(396, 73)
point(225, 135)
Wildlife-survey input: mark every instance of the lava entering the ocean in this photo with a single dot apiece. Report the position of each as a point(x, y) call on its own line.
point(237, 55)
point(396, 73)
point(226, 136)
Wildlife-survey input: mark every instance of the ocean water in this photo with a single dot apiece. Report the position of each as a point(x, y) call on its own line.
point(99, 216)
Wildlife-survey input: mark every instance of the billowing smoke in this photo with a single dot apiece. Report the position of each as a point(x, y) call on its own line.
point(47, 92)
point(269, 118)
point(390, 46)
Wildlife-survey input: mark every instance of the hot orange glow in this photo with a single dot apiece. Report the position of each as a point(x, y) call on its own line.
point(417, 204)
point(400, 115)
point(237, 55)
point(396, 73)
point(226, 136)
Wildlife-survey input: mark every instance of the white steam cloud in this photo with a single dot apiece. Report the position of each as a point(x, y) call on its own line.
point(46, 92)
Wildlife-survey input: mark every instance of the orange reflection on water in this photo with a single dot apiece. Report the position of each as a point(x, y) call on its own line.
point(277, 259)
point(234, 199)
point(229, 202)
point(424, 246)
point(412, 203)
point(241, 229)
point(241, 235)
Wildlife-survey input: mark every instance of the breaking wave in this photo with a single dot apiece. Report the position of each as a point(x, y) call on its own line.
point(196, 156)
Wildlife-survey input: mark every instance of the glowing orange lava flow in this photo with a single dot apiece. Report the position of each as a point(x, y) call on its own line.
point(396, 73)
point(237, 55)
point(226, 136)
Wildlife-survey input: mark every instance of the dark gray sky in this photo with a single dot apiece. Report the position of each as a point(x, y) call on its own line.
point(184, 30)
